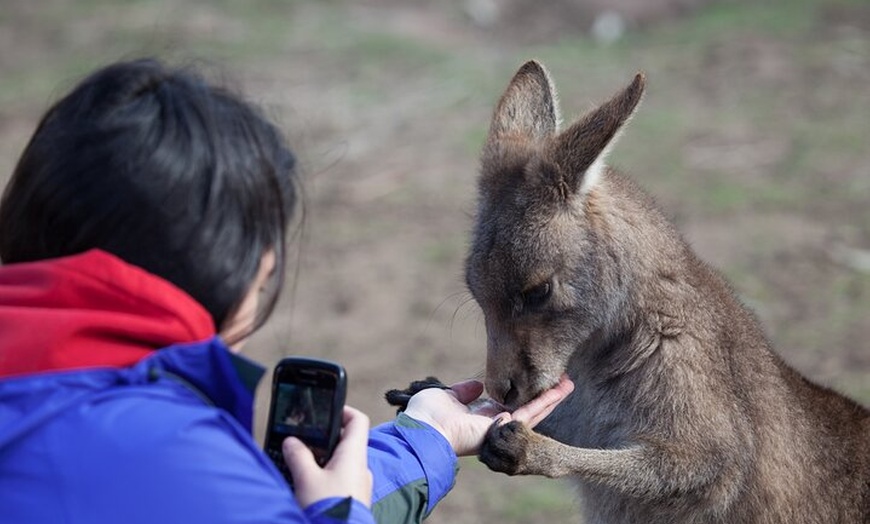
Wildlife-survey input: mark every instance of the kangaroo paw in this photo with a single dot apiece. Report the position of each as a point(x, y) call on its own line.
point(506, 448)
point(400, 397)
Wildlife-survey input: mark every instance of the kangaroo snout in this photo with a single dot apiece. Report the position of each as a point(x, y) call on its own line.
point(515, 374)
point(504, 378)
point(502, 391)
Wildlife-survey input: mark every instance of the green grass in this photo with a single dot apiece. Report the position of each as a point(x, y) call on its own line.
point(444, 253)
point(776, 18)
point(541, 500)
point(518, 499)
point(855, 385)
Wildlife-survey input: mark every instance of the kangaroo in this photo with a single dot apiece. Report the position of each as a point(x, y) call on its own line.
point(682, 412)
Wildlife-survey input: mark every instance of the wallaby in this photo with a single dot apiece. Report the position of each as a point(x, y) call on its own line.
point(682, 412)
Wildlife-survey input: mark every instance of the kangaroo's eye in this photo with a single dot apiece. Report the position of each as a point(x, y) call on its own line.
point(538, 295)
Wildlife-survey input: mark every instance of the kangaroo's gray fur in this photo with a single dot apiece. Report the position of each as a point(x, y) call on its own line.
point(682, 412)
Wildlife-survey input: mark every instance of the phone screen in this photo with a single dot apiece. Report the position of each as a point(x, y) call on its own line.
point(307, 400)
point(304, 411)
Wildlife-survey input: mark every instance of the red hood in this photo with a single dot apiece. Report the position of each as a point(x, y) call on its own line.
point(90, 310)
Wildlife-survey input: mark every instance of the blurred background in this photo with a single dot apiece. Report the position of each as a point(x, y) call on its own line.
point(753, 136)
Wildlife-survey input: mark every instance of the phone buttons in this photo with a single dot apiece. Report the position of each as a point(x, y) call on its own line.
point(278, 458)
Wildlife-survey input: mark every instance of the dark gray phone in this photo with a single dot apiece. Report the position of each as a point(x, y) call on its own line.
point(307, 403)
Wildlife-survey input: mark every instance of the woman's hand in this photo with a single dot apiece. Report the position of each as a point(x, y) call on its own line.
point(464, 422)
point(345, 475)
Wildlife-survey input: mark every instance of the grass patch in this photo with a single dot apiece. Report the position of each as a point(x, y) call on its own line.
point(778, 18)
point(855, 385)
point(444, 253)
point(541, 500)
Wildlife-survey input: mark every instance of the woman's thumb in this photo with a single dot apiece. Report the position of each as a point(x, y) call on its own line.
point(299, 458)
point(468, 390)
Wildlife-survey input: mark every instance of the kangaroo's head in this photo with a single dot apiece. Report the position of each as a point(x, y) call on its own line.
point(538, 267)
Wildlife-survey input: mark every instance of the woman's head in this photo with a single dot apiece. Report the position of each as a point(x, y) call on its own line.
point(165, 171)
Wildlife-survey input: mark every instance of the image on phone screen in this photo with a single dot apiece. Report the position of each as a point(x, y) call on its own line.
point(303, 411)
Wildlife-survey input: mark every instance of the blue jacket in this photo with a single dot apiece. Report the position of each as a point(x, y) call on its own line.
point(168, 439)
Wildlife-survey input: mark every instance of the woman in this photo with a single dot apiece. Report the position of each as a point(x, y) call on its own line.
point(142, 240)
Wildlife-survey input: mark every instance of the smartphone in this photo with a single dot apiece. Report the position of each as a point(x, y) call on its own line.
point(307, 402)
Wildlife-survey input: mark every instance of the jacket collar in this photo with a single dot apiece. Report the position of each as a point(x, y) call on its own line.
point(225, 379)
point(90, 310)
point(93, 311)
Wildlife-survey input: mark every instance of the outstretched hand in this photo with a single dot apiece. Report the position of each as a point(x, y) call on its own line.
point(463, 419)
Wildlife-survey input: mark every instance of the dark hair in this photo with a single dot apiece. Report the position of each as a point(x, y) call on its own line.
point(163, 170)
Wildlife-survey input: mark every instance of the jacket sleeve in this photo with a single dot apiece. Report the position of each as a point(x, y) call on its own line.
point(413, 467)
point(339, 511)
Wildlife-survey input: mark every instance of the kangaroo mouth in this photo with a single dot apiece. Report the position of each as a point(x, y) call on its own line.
point(513, 398)
point(510, 398)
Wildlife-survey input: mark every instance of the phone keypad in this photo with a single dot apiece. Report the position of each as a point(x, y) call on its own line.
point(278, 458)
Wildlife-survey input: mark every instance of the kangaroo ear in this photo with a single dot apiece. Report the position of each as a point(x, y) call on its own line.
point(527, 108)
point(579, 152)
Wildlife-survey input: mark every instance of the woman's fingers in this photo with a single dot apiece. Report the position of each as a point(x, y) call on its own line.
point(299, 459)
point(346, 473)
point(544, 404)
point(485, 407)
point(354, 435)
point(467, 391)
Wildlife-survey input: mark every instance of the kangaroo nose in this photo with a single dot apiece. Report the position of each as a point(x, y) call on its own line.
point(502, 391)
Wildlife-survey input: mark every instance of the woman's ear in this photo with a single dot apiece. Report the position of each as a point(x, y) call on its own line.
point(240, 322)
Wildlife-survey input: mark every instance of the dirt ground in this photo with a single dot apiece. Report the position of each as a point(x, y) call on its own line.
point(753, 137)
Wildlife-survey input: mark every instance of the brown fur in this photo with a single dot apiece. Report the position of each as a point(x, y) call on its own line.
point(681, 412)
